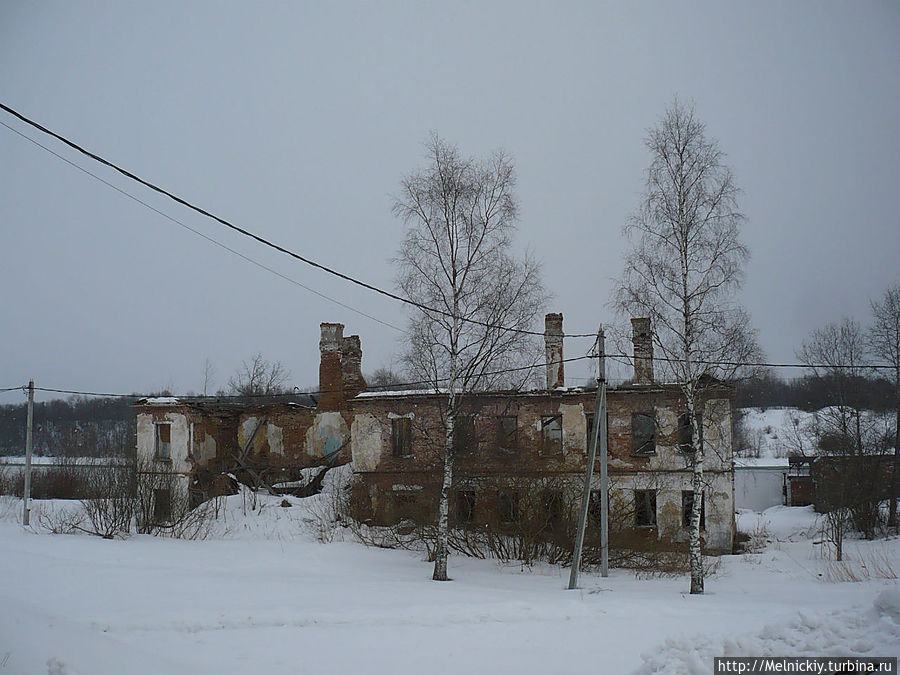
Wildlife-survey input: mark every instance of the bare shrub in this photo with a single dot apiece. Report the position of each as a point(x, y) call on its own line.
point(528, 521)
point(163, 505)
point(874, 563)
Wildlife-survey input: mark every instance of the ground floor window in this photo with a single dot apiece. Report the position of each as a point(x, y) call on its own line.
point(645, 508)
point(465, 507)
point(162, 505)
point(687, 504)
point(508, 507)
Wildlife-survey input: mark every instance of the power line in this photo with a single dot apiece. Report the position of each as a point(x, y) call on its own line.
point(198, 233)
point(265, 241)
point(295, 393)
point(627, 358)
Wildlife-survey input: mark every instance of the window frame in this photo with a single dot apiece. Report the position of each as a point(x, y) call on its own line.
point(551, 447)
point(401, 437)
point(465, 441)
point(162, 450)
point(648, 447)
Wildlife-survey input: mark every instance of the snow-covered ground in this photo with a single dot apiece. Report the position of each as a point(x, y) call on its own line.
point(263, 595)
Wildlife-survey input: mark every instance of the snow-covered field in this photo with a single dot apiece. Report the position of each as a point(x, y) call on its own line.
point(262, 595)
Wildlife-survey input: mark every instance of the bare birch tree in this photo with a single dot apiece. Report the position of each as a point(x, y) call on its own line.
point(683, 270)
point(259, 377)
point(884, 342)
point(457, 258)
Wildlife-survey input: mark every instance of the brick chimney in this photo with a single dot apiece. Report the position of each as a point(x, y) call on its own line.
point(331, 376)
point(351, 367)
point(643, 350)
point(553, 340)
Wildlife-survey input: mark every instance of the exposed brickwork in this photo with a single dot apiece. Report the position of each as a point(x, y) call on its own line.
point(553, 342)
point(351, 367)
point(331, 375)
point(643, 351)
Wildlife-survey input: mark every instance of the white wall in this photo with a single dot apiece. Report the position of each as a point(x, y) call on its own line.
point(758, 488)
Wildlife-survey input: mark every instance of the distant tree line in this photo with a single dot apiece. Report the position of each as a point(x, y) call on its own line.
point(810, 392)
point(78, 426)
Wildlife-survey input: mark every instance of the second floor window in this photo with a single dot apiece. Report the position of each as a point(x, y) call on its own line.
point(643, 433)
point(507, 433)
point(162, 441)
point(685, 431)
point(464, 441)
point(401, 437)
point(551, 434)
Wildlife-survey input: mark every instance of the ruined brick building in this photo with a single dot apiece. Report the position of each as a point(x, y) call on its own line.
point(515, 451)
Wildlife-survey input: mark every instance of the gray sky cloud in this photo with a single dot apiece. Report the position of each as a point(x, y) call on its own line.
point(298, 122)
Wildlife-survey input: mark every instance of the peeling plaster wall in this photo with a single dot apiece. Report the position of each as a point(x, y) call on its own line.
point(204, 450)
point(667, 471)
point(178, 448)
point(365, 443)
point(275, 437)
point(573, 428)
point(327, 434)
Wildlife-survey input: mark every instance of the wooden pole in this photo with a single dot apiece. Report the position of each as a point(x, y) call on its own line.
point(26, 514)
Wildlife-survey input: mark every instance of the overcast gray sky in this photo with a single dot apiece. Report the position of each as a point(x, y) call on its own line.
point(297, 121)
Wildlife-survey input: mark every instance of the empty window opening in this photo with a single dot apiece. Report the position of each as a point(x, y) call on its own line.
point(685, 431)
point(508, 433)
point(162, 505)
point(551, 434)
point(401, 437)
point(643, 433)
point(687, 505)
point(163, 441)
point(465, 507)
point(464, 441)
point(553, 507)
point(508, 506)
point(645, 508)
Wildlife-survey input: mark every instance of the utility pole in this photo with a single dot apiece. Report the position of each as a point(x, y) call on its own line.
point(604, 457)
point(598, 429)
point(26, 514)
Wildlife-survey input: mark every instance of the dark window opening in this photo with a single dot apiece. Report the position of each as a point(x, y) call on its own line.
point(508, 506)
point(553, 507)
point(464, 441)
point(162, 505)
point(551, 434)
point(588, 429)
point(685, 432)
point(595, 507)
point(465, 507)
point(687, 504)
point(508, 433)
point(163, 441)
point(645, 508)
point(405, 504)
point(401, 438)
point(643, 433)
